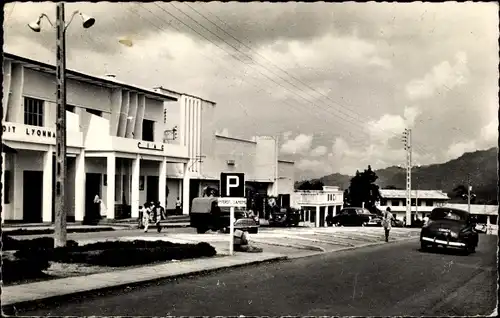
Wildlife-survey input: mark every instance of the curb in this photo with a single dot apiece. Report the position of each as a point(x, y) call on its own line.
point(299, 247)
point(27, 231)
point(12, 308)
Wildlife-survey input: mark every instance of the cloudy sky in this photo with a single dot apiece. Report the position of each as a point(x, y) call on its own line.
point(338, 83)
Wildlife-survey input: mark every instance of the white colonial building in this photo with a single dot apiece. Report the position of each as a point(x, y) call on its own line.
point(317, 204)
point(116, 146)
point(422, 201)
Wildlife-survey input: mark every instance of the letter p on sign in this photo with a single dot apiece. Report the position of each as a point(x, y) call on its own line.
point(232, 185)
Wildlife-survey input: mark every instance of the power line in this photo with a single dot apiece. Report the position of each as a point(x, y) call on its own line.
point(356, 117)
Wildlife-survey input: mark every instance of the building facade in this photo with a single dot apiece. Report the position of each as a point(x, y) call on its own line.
point(211, 153)
point(315, 205)
point(422, 201)
point(118, 146)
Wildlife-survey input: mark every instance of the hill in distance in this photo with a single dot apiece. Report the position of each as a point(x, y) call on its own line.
point(481, 165)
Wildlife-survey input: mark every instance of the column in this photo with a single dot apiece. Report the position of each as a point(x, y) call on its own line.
point(162, 183)
point(488, 224)
point(317, 216)
point(185, 190)
point(47, 186)
point(134, 198)
point(110, 194)
point(3, 187)
point(80, 186)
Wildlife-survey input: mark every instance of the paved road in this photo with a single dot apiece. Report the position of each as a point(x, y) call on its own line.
point(386, 280)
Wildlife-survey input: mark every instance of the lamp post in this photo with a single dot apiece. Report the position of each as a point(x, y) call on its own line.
point(60, 235)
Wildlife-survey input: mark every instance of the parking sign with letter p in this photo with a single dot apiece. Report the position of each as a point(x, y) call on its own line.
point(232, 185)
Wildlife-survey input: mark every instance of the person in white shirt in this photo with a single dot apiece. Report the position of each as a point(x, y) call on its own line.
point(387, 219)
point(426, 219)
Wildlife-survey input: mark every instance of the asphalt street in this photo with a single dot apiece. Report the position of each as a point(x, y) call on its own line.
point(386, 280)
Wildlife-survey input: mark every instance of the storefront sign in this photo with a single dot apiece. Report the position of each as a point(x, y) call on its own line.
point(29, 131)
point(229, 202)
point(149, 146)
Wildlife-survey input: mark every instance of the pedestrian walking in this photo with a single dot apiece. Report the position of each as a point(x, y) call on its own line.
point(146, 215)
point(387, 219)
point(159, 212)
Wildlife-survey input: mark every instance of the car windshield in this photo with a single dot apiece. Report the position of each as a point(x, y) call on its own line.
point(448, 214)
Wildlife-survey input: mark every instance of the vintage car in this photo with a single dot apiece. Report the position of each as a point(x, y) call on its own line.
point(285, 217)
point(353, 216)
point(397, 223)
point(449, 227)
point(206, 215)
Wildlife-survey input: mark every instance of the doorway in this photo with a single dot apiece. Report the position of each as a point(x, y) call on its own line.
point(194, 190)
point(92, 187)
point(32, 196)
point(152, 188)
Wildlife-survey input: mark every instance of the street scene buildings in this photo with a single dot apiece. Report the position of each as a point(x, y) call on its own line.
point(249, 159)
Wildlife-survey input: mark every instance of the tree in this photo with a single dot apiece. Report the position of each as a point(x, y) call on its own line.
point(460, 192)
point(363, 190)
point(311, 185)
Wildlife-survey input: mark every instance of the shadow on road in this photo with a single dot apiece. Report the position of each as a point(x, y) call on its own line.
point(443, 250)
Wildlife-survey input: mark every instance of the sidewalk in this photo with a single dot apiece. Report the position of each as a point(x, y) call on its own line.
point(26, 293)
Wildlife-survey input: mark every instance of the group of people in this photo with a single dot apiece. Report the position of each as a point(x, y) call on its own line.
point(152, 212)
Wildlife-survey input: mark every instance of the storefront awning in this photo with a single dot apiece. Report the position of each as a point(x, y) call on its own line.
point(7, 149)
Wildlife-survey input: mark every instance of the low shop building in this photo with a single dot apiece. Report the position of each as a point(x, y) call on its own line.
point(422, 201)
point(315, 205)
point(485, 214)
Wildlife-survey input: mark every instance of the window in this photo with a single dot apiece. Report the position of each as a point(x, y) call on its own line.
point(395, 202)
point(33, 111)
point(383, 202)
point(70, 108)
point(6, 194)
point(148, 130)
point(94, 112)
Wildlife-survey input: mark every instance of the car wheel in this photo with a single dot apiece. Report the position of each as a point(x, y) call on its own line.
point(423, 246)
point(471, 248)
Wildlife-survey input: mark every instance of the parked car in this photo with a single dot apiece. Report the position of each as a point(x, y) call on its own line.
point(206, 215)
point(285, 217)
point(449, 227)
point(352, 216)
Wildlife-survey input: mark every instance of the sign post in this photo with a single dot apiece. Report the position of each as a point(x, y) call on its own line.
point(232, 192)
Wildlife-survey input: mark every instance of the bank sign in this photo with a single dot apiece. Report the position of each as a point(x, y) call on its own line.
point(34, 134)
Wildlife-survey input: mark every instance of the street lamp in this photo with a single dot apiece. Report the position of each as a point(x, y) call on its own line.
point(60, 235)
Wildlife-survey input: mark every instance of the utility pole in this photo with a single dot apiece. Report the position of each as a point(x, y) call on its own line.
point(407, 146)
point(60, 235)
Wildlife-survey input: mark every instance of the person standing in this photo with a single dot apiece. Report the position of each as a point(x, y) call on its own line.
point(426, 219)
point(387, 219)
point(178, 206)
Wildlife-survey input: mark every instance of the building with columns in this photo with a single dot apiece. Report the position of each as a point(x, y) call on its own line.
point(316, 205)
point(118, 146)
point(115, 143)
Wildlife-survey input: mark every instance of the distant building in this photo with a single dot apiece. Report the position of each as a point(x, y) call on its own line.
point(317, 204)
point(422, 201)
point(486, 214)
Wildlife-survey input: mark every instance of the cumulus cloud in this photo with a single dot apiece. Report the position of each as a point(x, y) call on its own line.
point(459, 148)
point(224, 132)
point(489, 133)
point(319, 151)
point(310, 165)
point(301, 144)
point(443, 75)
point(287, 134)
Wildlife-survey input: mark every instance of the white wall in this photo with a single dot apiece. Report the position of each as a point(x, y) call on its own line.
point(286, 180)
point(265, 161)
point(42, 85)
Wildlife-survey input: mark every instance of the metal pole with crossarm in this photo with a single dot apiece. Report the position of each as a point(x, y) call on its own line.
point(60, 235)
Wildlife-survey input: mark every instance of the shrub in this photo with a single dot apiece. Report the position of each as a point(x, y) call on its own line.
point(15, 269)
point(11, 244)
